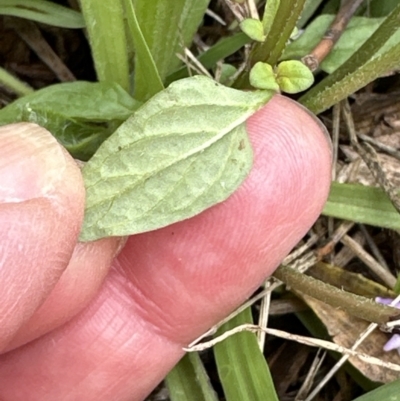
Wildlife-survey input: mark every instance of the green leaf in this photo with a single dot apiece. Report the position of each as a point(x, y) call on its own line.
point(43, 11)
point(188, 381)
point(253, 28)
point(379, 8)
point(13, 84)
point(387, 392)
point(321, 98)
point(242, 368)
point(309, 9)
point(271, 49)
point(280, 31)
point(293, 76)
point(227, 72)
point(103, 101)
point(362, 204)
point(270, 11)
point(185, 150)
point(105, 24)
point(262, 76)
point(357, 32)
point(363, 67)
point(222, 49)
point(168, 26)
point(147, 80)
point(76, 113)
point(396, 288)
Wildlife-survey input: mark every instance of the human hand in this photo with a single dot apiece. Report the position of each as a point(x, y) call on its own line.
point(78, 323)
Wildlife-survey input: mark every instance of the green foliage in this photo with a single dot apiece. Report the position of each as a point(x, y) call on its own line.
point(147, 80)
point(270, 12)
point(356, 34)
point(105, 26)
point(253, 28)
point(227, 72)
point(262, 76)
point(172, 159)
point(221, 50)
point(387, 392)
point(309, 9)
point(14, 84)
point(188, 381)
point(186, 148)
point(43, 11)
point(242, 368)
point(379, 8)
point(362, 204)
point(280, 31)
point(167, 26)
point(396, 288)
point(360, 69)
point(289, 76)
point(79, 114)
point(293, 76)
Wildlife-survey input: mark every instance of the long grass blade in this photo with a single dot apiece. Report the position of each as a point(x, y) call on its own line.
point(242, 368)
point(362, 204)
point(188, 381)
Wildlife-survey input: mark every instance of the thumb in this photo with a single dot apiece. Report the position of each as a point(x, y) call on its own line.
point(168, 286)
point(41, 193)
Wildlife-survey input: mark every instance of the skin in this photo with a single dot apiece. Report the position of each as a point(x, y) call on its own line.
point(78, 322)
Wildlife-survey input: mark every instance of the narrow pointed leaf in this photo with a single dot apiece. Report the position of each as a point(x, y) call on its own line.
point(188, 381)
point(43, 11)
point(168, 26)
point(388, 392)
point(362, 204)
point(147, 79)
point(242, 367)
point(364, 66)
point(105, 25)
point(185, 150)
point(270, 11)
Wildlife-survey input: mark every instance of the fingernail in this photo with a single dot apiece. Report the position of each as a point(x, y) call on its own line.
point(31, 162)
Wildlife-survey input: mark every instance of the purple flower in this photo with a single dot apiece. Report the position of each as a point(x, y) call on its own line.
point(394, 342)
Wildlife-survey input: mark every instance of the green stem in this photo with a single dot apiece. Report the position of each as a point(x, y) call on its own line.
point(281, 29)
point(14, 84)
point(362, 307)
point(270, 51)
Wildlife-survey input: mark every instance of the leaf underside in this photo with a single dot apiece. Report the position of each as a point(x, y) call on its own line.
point(185, 150)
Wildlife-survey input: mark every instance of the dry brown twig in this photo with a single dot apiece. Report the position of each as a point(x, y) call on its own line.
point(370, 157)
point(332, 35)
point(32, 36)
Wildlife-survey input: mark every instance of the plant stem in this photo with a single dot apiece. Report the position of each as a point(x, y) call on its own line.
point(362, 307)
point(332, 35)
point(361, 68)
point(269, 51)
